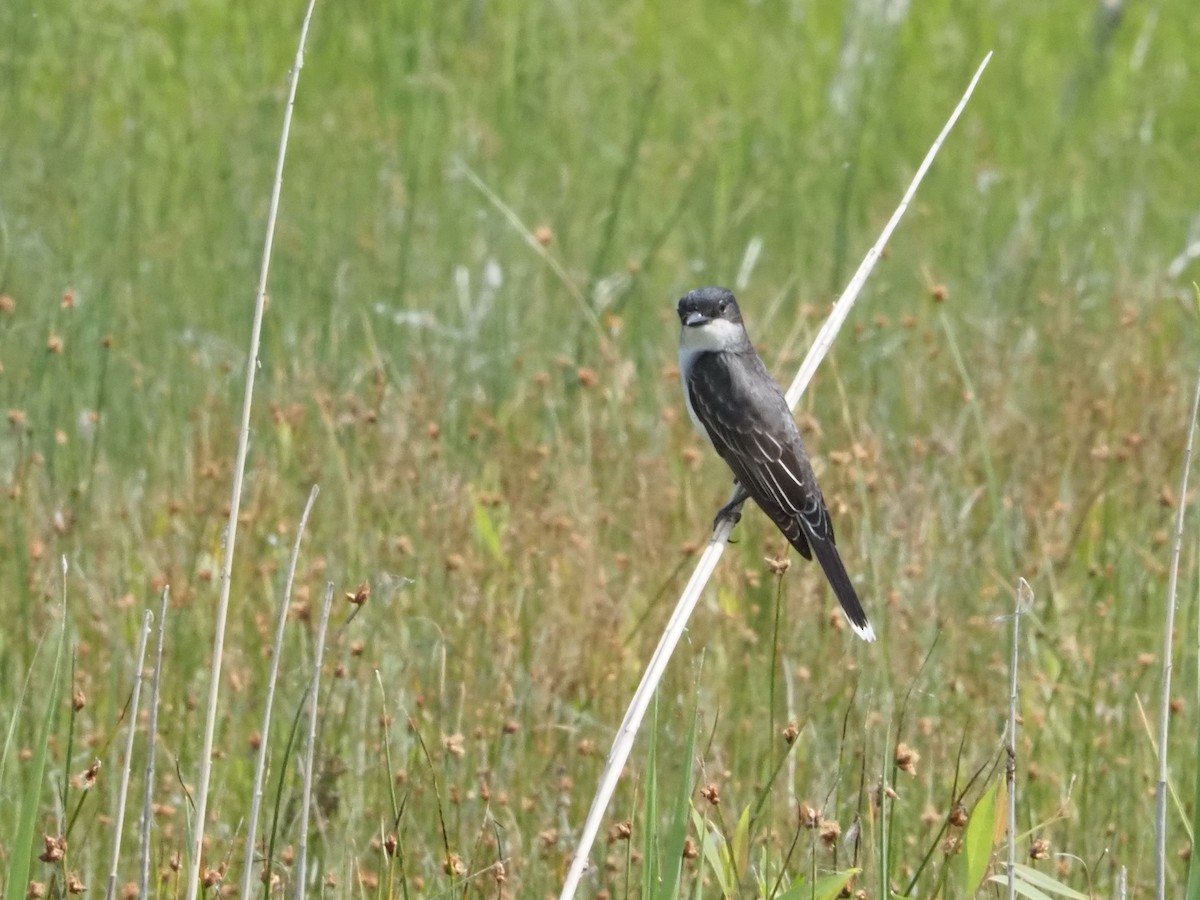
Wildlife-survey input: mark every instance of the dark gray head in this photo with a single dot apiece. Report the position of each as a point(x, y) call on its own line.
point(704, 305)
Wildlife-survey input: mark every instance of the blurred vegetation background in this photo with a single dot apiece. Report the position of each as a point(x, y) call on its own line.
point(500, 442)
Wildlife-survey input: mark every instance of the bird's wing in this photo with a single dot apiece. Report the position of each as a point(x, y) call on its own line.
point(748, 421)
point(752, 429)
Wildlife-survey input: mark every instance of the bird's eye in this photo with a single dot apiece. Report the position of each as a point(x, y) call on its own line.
point(722, 306)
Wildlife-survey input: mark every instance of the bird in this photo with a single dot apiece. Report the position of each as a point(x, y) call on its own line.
point(738, 407)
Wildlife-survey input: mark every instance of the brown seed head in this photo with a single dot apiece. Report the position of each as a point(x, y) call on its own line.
point(56, 849)
point(690, 850)
point(87, 778)
point(778, 566)
point(809, 816)
point(75, 885)
point(544, 235)
point(1039, 849)
point(907, 758)
point(790, 732)
point(711, 793)
point(360, 594)
point(35, 891)
point(830, 832)
point(620, 832)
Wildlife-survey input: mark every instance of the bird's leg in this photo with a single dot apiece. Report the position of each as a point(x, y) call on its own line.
point(733, 509)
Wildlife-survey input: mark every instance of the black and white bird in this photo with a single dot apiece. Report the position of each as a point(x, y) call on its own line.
point(736, 404)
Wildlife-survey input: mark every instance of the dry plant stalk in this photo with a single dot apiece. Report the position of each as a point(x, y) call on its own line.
point(122, 796)
point(239, 472)
point(260, 764)
point(1164, 703)
point(151, 744)
point(311, 747)
point(1023, 604)
point(623, 742)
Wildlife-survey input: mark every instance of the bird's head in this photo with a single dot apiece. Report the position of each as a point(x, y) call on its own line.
point(711, 320)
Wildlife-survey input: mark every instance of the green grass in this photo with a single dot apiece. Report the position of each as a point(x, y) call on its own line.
point(1026, 426)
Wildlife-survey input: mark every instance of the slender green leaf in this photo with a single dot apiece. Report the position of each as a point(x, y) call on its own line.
point(978, 841)
point(827, 887)
point(1041, 880)
point(22, 847)
point(741, 844)
point(1024, 888)
point(485, 527)
point(712, 845)
point(1193, 879)
point(671, 863)
point(650, 860)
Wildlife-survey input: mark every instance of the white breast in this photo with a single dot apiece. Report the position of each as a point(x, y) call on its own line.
point(714, 337)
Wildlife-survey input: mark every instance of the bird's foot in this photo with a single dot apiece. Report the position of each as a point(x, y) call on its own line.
point(730, 512)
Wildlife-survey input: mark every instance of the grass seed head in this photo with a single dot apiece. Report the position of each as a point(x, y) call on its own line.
point(830, 832)
point(809, 816)
point(56, 849)
point(907, 758)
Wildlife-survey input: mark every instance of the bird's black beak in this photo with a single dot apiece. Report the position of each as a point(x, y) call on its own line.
point(694, 319)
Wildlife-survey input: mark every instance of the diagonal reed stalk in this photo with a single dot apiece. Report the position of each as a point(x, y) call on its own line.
point(1164, 703)
point(623, 742)
point(239, 472)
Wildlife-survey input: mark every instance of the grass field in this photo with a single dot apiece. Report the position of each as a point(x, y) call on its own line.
point(504, 457)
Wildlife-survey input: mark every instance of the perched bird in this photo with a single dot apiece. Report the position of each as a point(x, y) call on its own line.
point(736, 404)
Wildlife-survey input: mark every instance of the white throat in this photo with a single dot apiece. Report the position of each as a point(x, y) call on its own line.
point(715, 336)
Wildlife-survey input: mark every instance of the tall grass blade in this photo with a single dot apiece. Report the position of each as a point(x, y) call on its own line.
point(650, 843)
point(310, 749)
point(119, 825)
point(671, 864)
point(151, 746)
point(1164, 709)
point(22, 846)
point(260, 762)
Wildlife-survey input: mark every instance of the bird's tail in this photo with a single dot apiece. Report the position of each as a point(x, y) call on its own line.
point(827, 555)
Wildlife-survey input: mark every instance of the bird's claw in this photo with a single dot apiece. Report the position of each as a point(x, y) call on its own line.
point(731, 512)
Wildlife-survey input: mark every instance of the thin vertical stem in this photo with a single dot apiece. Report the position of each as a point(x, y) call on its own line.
point(239, 473)
point(1164, 703)
point(119, 825)
point(310, 749)
point(260, 764)
point(151, 746)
